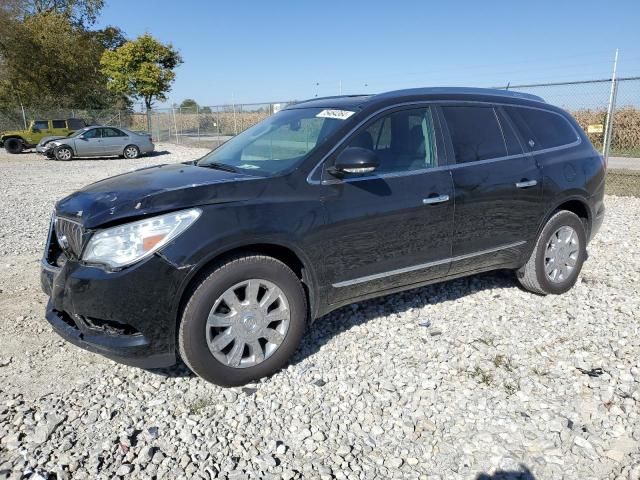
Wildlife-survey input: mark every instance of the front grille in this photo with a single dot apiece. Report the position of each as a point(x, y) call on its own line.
point(70, 236)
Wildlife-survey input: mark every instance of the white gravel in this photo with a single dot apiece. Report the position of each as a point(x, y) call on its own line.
point(473, 378)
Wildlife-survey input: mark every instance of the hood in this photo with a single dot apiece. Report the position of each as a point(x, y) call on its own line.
point(12, 132)
point(51, 138)
point(150, 191)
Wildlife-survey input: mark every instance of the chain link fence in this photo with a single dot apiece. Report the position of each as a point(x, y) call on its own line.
point(210, 126)
point(15, 120)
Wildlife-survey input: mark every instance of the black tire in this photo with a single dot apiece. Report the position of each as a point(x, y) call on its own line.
point(13, 145)
point(63, 153)
point(131, 152)
point(532, 275)
point(192, 341)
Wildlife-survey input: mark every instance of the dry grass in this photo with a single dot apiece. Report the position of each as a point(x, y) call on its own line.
point(626, 128)
point(624, 183)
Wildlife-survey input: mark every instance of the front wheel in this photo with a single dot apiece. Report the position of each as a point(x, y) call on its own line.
point(243, 320)
point(558, 256)
point(63, 153)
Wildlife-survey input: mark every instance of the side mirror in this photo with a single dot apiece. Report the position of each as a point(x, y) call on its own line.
point(355, 160)
point(81, 136)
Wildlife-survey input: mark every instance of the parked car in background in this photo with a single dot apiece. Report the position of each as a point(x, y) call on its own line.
point(224, 261)
point(16, 141)
point(99, 141)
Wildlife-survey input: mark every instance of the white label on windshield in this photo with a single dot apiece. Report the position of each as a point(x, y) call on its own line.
point(338, 114)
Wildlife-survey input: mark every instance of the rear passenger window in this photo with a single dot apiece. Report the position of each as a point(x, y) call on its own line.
point(112, 132)
point(59, 124)
point(475, 133)
point(542, 129)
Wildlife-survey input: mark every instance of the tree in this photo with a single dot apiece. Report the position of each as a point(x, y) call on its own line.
point(189, 104)
point(48, 61)
point(78, 12)
point(142, 68)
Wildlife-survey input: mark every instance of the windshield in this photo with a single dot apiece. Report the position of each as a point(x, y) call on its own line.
point(78, 133)
point(278, 142)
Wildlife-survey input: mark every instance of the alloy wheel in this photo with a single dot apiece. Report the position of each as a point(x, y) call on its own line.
point(64, 154)
point(131, 152)
point(248, 323)
point(561, 254)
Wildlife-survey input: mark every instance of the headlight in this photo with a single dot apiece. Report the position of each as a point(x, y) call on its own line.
point(123, 245)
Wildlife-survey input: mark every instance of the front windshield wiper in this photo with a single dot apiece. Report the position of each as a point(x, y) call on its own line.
point(220, 166)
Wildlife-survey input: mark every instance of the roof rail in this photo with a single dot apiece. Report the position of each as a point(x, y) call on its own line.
point(331, 97)
point(462, 90)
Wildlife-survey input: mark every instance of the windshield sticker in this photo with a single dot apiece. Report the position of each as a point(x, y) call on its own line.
point(337, 114)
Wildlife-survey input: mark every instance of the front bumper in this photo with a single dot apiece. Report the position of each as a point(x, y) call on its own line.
point(42, 149)
point(128, 316)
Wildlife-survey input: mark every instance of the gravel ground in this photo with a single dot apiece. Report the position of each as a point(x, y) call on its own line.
point(473, 378)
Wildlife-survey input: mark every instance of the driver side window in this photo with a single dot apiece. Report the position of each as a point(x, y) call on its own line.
point(94, 133)
point(402, 141)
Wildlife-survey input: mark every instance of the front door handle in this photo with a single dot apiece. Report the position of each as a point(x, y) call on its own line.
point(434, 200)
point(526, 183)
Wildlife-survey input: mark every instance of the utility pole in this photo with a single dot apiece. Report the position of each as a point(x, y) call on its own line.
point(24, 116)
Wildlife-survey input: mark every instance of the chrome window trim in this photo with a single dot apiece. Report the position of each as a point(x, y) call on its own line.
point(413, 268)
point(383, 175)
point(338, 181)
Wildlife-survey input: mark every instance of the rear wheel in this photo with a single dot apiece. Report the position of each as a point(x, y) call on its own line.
point(63, 153)
point(13, 145)
point(131, 151)
point(243, 320)
point(558, 256)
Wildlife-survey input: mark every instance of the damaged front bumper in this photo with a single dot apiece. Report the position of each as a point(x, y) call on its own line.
point(128, 316)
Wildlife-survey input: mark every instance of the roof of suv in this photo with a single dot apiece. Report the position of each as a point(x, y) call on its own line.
point(412, 94)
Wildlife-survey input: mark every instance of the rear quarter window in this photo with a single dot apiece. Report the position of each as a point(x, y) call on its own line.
point(59, 124)
point(542, 129)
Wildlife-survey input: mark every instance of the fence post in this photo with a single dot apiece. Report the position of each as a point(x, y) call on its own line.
point(198, 120)
point(606, 144)
point(235, 123)
point(175, 124)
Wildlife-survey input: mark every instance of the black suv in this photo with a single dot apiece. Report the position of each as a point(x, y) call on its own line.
point(226, 259)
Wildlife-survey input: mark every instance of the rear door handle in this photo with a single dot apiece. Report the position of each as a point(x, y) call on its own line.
point(526, 183)
point(434, 200)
